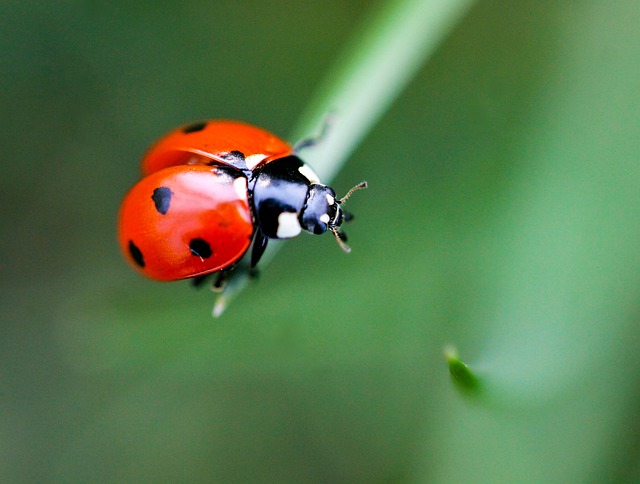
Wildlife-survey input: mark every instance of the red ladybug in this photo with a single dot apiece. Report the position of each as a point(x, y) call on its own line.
point(212, 189)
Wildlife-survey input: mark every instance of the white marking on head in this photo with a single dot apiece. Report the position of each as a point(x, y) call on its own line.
point(325, 218)
point(254, 160)
point(240, 186)
point(307, 172)
point(330, 199)
point(288, 225)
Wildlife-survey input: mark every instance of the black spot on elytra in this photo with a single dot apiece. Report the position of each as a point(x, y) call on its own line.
point(194, 127)
point(200, 248)
point(162, 199)
point(136, 254)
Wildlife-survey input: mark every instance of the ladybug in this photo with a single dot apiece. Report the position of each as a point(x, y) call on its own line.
point(211, 190)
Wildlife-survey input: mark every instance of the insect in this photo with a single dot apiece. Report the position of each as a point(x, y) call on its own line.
point(213, 190)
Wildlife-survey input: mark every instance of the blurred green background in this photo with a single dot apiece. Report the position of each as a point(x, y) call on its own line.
point(502, 217)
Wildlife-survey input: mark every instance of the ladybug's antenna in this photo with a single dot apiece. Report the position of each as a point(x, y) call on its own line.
point(341, 238)
point(359, 186)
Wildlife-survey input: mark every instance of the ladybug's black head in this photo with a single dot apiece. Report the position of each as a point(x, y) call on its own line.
point(322, 212)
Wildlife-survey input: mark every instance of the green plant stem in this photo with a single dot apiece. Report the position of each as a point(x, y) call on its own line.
point(383, 56)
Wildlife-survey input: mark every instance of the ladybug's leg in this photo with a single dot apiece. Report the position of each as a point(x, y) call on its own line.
point(219, 281)
point(198, 280)
point(314, 140)
point(259, 246)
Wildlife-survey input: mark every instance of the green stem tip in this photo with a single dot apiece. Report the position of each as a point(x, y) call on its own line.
point(461, 374)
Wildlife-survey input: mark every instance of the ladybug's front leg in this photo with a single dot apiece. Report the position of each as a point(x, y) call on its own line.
point(311, 141)
point(259, 246)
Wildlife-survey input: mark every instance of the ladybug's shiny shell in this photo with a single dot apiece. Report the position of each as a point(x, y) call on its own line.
point(185, 221)
point(214, 142)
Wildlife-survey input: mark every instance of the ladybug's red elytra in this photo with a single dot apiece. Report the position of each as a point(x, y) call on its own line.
point(211, 190)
